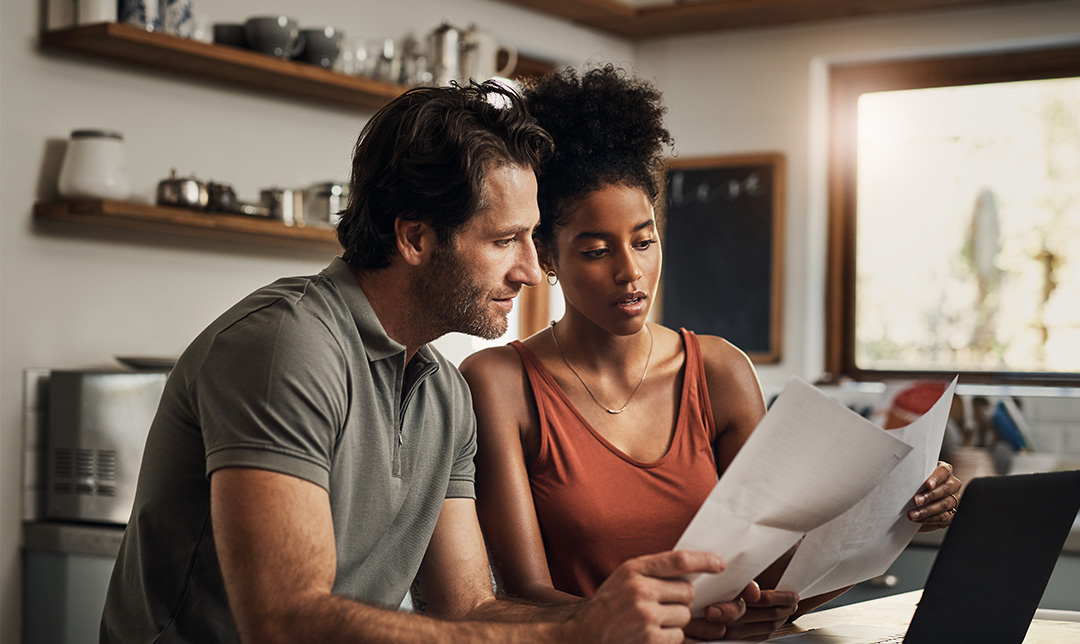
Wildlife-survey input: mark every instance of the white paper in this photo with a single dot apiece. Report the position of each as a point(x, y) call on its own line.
point(808, 460)
point(866, 539)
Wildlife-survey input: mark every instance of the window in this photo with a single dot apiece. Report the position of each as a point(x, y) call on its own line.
point(954, 218)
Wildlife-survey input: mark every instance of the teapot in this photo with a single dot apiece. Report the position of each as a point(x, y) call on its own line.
point(480, 55)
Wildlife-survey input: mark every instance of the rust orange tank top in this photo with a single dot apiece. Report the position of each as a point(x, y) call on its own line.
point(598, 507)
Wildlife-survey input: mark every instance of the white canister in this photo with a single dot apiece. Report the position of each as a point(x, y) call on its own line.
point(94, 166)
point(88, 12)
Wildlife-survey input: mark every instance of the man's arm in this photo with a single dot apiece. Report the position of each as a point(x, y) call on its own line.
point(275, 543)
point(454, 581)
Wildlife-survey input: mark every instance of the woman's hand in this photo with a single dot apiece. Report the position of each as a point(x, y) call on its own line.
point(753, 615)
point(935, 504)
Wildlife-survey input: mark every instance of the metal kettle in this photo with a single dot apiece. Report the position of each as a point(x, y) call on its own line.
point(444, 45)
point(184, 192)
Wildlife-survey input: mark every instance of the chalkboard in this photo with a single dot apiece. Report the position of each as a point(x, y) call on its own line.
point(723, 250)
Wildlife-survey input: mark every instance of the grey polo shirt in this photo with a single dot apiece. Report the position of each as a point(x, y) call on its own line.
point(298, 378)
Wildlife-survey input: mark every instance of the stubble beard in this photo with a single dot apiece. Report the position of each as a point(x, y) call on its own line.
point(452, 301)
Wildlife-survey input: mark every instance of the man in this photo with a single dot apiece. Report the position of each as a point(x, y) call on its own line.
point(312, 455)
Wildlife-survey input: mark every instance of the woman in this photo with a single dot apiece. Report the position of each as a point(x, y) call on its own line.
point(600, 436)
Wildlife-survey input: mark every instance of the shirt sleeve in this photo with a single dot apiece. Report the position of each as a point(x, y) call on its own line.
point(271, 394)
point(463, 472)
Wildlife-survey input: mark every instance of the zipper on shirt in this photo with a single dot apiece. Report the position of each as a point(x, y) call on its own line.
point(428, 369)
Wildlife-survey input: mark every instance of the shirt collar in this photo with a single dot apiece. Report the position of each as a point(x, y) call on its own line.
point(377, 343)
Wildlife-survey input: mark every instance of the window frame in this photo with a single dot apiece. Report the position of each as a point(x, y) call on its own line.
point(848, 81)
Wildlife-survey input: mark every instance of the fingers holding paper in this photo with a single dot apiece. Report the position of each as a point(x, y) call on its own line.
point(755, 615)
point(936, 502)
point(644, 600)
point(721, 615)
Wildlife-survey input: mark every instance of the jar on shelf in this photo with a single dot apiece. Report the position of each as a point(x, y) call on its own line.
point(94, 166)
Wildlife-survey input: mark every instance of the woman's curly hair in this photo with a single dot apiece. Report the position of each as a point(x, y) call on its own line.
point(608, 129)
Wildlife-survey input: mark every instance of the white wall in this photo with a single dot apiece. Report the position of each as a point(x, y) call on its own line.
point(765, 91)
point(70, 300)
point(75, 300)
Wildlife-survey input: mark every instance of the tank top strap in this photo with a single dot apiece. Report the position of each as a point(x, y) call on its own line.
point(695, 369)
point(540, 380)
point(544, 389)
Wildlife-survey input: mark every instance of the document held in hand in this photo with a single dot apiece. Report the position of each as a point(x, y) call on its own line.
point(809, 460)
point(867, 538)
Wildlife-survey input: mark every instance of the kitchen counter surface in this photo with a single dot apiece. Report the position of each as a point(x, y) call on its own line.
point(73, 538)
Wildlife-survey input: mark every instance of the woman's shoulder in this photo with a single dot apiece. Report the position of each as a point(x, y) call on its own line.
point(723, 359)
point(491, 363)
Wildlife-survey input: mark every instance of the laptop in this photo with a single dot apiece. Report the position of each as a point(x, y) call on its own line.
point(992, 567)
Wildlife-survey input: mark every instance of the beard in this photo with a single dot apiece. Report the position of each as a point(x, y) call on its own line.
point(451, 300)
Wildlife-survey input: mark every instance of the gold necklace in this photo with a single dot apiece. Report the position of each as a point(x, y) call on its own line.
point(591, 394)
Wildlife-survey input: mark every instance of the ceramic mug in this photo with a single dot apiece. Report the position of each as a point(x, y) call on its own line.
point(141, 13)
point(229, 33)
point(321, 46)
point(480, 55)
point(275, 35)
point(176, 17)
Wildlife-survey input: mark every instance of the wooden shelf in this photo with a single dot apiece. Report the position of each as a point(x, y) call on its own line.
point(228, 65)
point(677, 17)
point(189, 223)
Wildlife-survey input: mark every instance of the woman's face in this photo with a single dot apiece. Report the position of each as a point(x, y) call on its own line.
point(608, 257)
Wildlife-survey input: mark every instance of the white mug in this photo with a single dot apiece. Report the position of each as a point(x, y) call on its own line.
point(480, 55)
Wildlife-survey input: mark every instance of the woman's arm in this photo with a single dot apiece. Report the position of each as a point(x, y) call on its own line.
point(735, 396)
point(506, 423)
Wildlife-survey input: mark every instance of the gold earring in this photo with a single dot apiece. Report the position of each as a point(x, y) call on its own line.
point(552, 278)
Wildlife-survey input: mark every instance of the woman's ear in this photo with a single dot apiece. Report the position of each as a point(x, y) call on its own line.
point(415, 240)
point(545, 258)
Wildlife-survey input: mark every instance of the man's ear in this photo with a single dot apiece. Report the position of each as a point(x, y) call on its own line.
point(415, 240)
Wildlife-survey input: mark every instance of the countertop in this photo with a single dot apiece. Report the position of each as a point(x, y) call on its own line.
point(73, 538)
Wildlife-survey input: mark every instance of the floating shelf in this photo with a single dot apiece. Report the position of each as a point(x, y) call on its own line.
point(190, 223)
point(223, 63)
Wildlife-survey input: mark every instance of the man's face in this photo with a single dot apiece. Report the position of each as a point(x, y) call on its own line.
point(469, 284)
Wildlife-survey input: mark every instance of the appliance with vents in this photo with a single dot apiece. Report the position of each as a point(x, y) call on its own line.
point(96, 430)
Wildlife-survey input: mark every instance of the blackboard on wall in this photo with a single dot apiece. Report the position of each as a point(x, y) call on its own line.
point(723, 250)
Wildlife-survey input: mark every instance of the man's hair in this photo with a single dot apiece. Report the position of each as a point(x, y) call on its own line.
point(425, 157)
point(608, 129)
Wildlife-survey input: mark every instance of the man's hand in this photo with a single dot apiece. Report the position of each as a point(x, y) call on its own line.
point(644, 600)
point(754, 615)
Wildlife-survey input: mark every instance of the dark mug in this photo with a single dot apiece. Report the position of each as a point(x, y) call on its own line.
point(321, 46)
point(275, 35)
